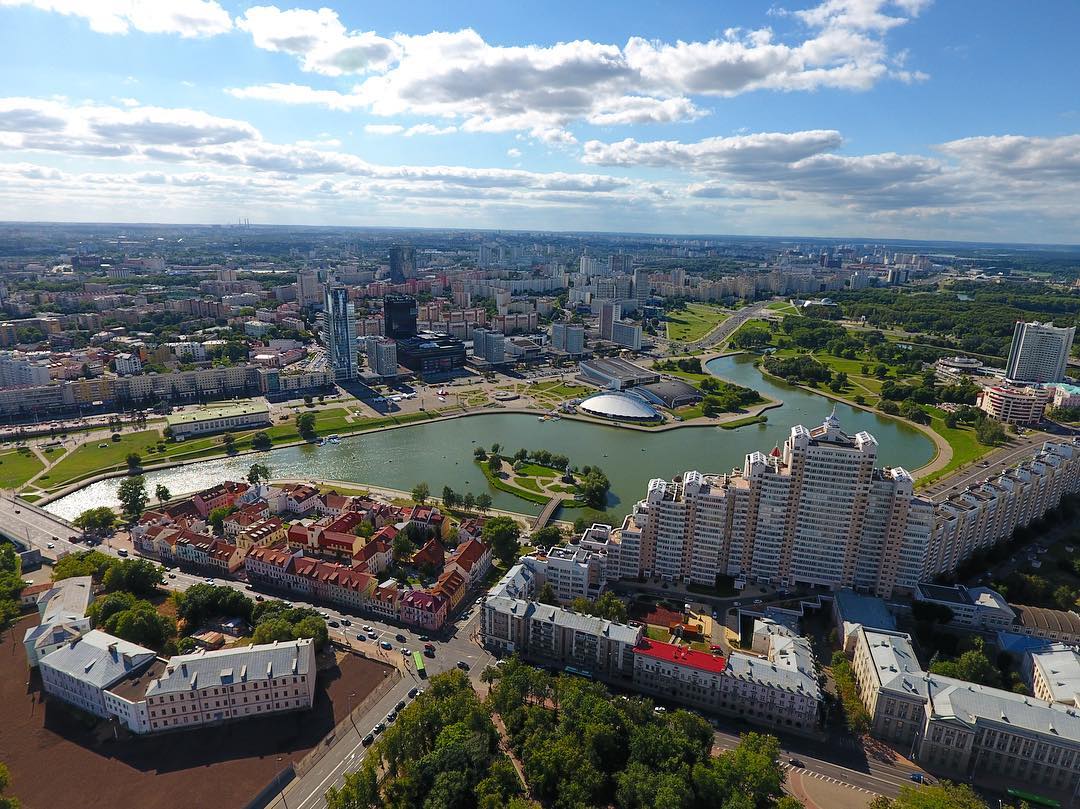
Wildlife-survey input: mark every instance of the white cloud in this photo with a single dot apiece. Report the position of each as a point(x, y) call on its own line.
point(513, 152)
point(187, 18)
point(712, 154)
point(542, 89)
point(318, 39)
point(429, 129)
point(383, 129)
point(1020, 157)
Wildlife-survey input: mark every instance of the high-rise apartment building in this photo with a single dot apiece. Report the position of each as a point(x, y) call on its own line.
point(308, 288)
point(620, 263)
point(399, 316)
point(641, 286)
point(402, 262)
point(339, 332)
point(626, 333)
point(1039, 352)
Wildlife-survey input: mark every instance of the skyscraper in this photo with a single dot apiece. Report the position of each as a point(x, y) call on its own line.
point(399, 316)
point(610, 311)
point(402, 262)
point(489, 345)
point(339, 332)
point(1039, 352)
point(307, 288)
point(382, 356)
point(641, 286)
point(568, 337)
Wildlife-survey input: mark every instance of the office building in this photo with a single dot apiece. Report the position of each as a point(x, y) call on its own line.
point(1039, 352)
point(960, 729)
point(399, 316)
point(63, 617)
point(626, 333)
point(641, 286)
point(610, 311)
point(382, 356)
point(80, 671)
point(489, 346)
point(402, 262)
point(1014, 404)
point(568, 338)
point(978, 608)
point(431, 353)
point(215, 419)
point(17, 370)
point(1053, 672)
point(339, 332)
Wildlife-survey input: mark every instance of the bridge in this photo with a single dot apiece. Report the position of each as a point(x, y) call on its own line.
point(544, 517)
point(29, 526)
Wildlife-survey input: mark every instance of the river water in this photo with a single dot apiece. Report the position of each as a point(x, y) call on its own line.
point(441, 453)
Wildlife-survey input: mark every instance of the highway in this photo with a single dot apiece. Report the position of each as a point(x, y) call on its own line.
point(26, 524)
point(995, 463)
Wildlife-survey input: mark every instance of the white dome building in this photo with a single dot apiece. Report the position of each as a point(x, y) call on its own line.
point(619, 407)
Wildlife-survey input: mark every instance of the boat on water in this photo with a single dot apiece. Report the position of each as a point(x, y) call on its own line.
point(334, 439)
point(541, 418)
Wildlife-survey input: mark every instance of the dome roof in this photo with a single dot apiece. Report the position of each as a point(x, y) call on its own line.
point(618, 406)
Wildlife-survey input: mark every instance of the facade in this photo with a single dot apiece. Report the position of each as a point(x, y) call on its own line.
point(216, 419)
point(1013, 404)
point(339, 332)
point(610, 313)
point(572, 572)
point(1055, 674)
point(1039, 352)
point(626, 333)
point(308, 288)
point(62, 608)
point(963, 729)
point(431, 353)
point(402, 262)
point(382, 356)
point(399, 316)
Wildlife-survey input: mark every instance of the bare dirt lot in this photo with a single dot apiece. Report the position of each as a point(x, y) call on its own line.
point(55, 760)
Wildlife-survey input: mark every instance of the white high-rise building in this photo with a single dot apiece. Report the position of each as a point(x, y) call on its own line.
point(626, 333)
point(308, 288)
point(339, 332)
point(1039, 352)
point(568, 337)
point(641, 286)
point(489, 345)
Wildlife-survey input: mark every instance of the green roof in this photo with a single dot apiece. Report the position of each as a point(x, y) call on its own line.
point(218, 412)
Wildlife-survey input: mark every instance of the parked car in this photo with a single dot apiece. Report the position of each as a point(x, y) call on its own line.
point(400, 705)
point(121, 552)
point(369, 740)
point(400, 638)
point(387, 645)
point(413, 692)
point(794, 762)
point(461, 664)
point(361, 636)
point(333, 624)
point(917, 777)
point(429, 647)
point(379, 727)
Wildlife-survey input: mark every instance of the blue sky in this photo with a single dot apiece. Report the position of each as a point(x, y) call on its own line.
point(891, 118)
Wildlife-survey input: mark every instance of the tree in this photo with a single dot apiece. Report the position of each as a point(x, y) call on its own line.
point(495, 449)
point(421, 492)
point(468, 501)
point(132, 496)
point(593, 487)
point(261, 441)
point(942, 795)
point(96, 520)
point(305, 425)
point(258, 473)
point(229, 442)
point(973, 666)
point(272, 630)
point(138, 576)
point(134, 461)
point(360, 790)
point(950, 420)
point(162, 493)
point(494, 464)
point(6, 801)
point(483, 501)
point(217, 516)
point(501, 534)
point(611, 607)
point(202, 601)
point(141, 624)
point(547, 594)
point(449, 497)
point(990, 433)
point(547, 537)
point(480, 454)
point(401, 546)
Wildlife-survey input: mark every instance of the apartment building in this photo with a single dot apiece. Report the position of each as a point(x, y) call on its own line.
point(964, 729)
point(819, 512)
point(1054, 673)
point(1014, 404)
point(1039, 352)
point(80, 671)
point(572, 572)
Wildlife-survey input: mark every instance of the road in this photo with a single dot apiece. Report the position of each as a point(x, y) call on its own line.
point(27, 524)
point(995, 463)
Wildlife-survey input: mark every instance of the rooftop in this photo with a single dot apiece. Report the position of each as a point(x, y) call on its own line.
point(682, 655)
point(98, 659)
point(241, 664)
point(208, 413)
point(1048, 620)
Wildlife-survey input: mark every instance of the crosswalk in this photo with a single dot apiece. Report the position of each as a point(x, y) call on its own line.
point(828, 778)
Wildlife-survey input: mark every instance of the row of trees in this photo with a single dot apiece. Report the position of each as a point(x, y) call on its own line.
point(608, 605)
point(11, 584)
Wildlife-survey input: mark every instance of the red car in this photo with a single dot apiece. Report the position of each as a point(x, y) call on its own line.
point(715, 648)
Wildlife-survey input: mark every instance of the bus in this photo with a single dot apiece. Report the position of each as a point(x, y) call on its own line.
point(418, 662)
point(578, 672)
point(1032, 799)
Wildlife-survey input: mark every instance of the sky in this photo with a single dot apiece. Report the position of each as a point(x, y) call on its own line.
point(922, 119)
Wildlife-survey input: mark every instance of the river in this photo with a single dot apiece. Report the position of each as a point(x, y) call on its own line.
point(440, 453)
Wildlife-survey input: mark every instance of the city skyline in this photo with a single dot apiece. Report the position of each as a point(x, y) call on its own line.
point(905, 119)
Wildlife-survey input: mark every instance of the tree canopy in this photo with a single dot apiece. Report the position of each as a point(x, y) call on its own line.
point(132, 496)
point(501, 534)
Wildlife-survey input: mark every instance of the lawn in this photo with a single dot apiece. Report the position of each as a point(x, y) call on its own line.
point(527, 483)
point(694, 322)
point(965, 446)
point(537, 471)
point(91, 458)
point(783, 307)
point(657, 633)
point(18, 467)
point(753, 323)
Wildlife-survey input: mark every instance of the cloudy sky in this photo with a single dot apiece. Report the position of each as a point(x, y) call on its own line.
point(891, 118)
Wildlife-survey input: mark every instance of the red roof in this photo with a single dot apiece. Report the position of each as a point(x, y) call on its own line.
point(432, 553)
point(345, 522)
point(681, 655)
point(469, 553)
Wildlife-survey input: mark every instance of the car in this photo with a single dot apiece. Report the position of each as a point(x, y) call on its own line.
point(346, 622)
point(413, 692)
point(369, 740)
point(373, 634)
point(400, 638)
point(379, 727)
point(794, 762)
point(430, 647)
point(423, 637)
point(917, 777)
point(737, 604)
point(55, 538)
point(324, 615)
point(757, 600)
point(461, 664)
point(390, 717)
point(18, 511)
point(333, 624)
point(208, 580)
point(50, 545)
point(361, 636)
point(367, 628)
point(387, 645)
point(659, 709)
point(122, 552)
point(102, 446)
point(400, 705)
point(429, 652)
point(715, 647)
point(172, 575)
point(404, 651)
point(258, 598)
